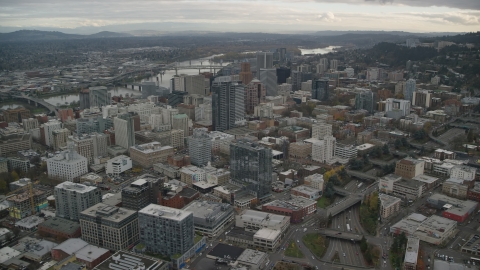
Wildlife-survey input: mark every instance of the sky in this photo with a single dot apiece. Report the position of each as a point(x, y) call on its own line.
point(279, 16)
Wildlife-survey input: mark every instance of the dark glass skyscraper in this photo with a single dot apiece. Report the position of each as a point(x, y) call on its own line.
point(320, 89)
point(251, 167)
point(228, 105)
point(364, 100)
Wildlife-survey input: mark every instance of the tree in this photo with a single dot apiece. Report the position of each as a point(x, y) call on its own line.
point(405, 142)
point(385, 149)
point(15, 175)
point(470, 136)
point(363, 244)
point(398, 144)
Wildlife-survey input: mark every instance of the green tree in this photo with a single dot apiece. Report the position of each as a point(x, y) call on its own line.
point(470, 136)
point(385, 149)
point(363, 244)
point(15, 175)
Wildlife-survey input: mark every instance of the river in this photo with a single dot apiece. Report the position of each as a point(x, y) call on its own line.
point(325, 50)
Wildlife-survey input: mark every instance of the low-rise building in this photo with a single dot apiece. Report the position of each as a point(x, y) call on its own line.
point(409, 167)
point(253, 220)
point(150, 153)
point(59, 228)
point(455, 209)
point(436, 230)
point(210, 217)
point(314, 181)
point(118, 165)
point(135, 260)
point(172, 172)
point(67, 248)
point(34, 249)
point(411, 254)
point(297, 208)
point(253, 259)
point(474, 192)
point(306, 191)
point(389, 205)
point(454, 187)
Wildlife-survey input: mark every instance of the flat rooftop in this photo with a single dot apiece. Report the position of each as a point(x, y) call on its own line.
point(411, 252)
point(61, 224)
point(425, 178)
point(224, 251)
point(387, 200)
point(436, 224)
point(203, 210)
point(90, 253)
point(306, 190)
point(78, 188)
point(240, 233)
point(251, 256)
point(109, 212)
point(263, 218)
point(120, 259)
point(266, 233)
point(165, 212)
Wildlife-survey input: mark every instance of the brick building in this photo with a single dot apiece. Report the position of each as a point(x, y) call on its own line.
point(59, 228)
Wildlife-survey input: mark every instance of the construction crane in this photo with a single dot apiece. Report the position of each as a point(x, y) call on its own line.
point(29, 190)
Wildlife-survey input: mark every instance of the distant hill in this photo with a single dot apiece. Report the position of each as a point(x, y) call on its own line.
point(395, 33)
point(32, 35)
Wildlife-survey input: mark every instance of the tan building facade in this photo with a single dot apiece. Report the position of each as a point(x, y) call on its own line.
point(148, 154)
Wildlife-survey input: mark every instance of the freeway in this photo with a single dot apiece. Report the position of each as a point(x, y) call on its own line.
point(340, 234)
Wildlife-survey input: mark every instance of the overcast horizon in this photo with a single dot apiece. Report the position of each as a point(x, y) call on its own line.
point(281, 16)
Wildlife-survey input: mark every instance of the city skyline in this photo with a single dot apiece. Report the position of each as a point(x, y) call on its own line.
point(277, 16)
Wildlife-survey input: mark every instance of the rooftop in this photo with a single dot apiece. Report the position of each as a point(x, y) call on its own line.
point(152, 147)
point(425, 178)
point(387, 200)
point(410, 161)
point(411, 253)
point(8, 253)
point(133, 260)
point(436, 224)
point(208, 211)
point(90, 253)
point(267, 233)
point(29, 222)
point(71, 245)
point(108, 212)
point(264, 218)
point(78, 188)
point(251, 256)
point(225, 251)
point(62, 225)
point(165, 212)
point(307, 190)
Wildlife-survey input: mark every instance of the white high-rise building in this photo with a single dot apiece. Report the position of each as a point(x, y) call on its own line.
point(397, 108)
point(48, 128)
point(29, 123)
point(350, 72)
point(200, 147)
point(324, 150)
point(67, 165)
point(320, 130)
point(72, 198)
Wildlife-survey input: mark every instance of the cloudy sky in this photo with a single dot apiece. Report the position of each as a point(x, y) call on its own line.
point(241, 15)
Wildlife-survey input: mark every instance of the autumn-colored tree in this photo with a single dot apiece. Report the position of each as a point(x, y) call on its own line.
point(15, 175)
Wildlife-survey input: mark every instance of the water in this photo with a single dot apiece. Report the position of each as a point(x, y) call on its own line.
point(9, 106)
point(164, 80)
point(67, 99)
point(318, 50)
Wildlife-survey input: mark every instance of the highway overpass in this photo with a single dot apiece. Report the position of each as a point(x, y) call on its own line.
point(37, 101)
point(340, 234)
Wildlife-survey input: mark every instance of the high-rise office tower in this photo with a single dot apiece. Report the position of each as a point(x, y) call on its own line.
point(29, 123)
point(264, 60)
point(410, 87)
point(148, 89)
point(145, 190)
point(321, 68)
point(246, 75)
point(124, 130)
point(282, 74)
point(251, 167)
point(84, 97)
point(282, 54)
point(320, 130)
point(48, 128)
point(200, 147)
point(324, 150)
point(99, 96)
point(164, 230)
point(320, 89)
point(364, 101)
point(60, 137)
point(334, 64)
point(255, 93)
point(72, 198)
point(324, 62)
point(180, 121)
point(269, 78)
point(228, 105)
point(296, 80)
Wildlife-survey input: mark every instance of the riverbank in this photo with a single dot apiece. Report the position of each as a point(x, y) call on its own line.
point(56, 94)
point(18, 103)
